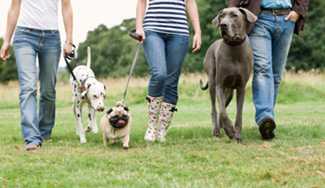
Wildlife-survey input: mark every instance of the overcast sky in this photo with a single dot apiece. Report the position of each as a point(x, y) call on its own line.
point(88, 14)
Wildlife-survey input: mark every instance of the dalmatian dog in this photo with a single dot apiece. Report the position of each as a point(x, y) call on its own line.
point(87, 90)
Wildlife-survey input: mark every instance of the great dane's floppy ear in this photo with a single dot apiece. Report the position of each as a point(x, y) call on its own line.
point(250, 17)
point(215, 20)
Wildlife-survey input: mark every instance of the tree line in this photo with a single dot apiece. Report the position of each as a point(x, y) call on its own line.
point(113, 50)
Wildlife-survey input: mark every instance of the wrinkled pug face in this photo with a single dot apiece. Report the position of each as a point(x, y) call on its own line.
point(119, 115)
point(233, 23)
point(96, 94)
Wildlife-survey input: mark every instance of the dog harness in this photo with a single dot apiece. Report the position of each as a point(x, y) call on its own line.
point(167, 16)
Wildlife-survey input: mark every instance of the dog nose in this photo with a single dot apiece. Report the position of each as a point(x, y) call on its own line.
point(223, 26)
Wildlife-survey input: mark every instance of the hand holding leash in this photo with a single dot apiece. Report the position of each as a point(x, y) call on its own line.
point(133, 34)
point(69, 57)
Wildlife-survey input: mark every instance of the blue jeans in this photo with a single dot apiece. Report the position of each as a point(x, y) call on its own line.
point(30, 44)
point(271, 40)
point(165, 54)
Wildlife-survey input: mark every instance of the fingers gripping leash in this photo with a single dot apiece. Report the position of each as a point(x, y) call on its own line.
point(70, 57)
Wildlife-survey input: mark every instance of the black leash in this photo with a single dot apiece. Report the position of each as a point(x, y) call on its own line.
point(69, 57)
point(137, 37)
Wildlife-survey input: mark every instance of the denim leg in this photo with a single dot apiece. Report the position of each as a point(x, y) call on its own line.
point(176, 49)
point(154, 49)
point(280, 49)
point(49, 57)
point(263, 81)
point(27, 73)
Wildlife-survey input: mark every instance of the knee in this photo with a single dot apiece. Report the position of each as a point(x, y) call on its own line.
point(27, 90)
point(159, 77)
point(48, 95)
point(262, 67)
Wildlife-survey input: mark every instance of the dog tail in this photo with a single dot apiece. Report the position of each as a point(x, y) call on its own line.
point(204, 86)
point(88, 57)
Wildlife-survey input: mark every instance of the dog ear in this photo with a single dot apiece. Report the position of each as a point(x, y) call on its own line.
point(250, 17)
point(88, 86)
point(216, 21)
point(109, 111)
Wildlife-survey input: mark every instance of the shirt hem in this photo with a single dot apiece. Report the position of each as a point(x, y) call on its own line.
point(167, 32)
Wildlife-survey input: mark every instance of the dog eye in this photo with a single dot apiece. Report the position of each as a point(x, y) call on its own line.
point(109, 111)
point(126, 109)
point(95, 96)
point(234, 15)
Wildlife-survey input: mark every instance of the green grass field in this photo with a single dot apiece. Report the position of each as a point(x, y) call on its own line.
point(191, 157)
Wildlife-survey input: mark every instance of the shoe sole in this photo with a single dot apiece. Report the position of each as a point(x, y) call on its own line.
point(266, 129)
point(32, 148)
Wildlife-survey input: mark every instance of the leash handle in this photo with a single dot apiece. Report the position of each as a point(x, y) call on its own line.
point(133, 34)
point(69, 57)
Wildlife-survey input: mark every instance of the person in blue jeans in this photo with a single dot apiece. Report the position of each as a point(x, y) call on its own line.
point(271, 39)
point(165, 36)
point(37, 37)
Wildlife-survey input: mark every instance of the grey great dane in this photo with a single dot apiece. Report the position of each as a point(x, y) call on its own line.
point(228, 63)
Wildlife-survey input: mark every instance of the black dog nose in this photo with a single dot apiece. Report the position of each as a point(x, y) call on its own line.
point(223, 26)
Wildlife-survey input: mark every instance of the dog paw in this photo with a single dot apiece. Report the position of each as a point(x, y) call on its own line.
point(125, 147)
point(229, 132)
point(94, 130)
point(216, 133)
point(88, 129)
point(83, 140)
point(237, 137)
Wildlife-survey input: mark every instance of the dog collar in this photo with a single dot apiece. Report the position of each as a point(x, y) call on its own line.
point(82, 86)
point(235, 43)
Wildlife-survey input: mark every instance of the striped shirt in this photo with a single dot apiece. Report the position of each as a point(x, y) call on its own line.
point(166, 16)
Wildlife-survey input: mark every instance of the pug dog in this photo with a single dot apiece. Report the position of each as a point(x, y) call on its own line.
point(116, 125)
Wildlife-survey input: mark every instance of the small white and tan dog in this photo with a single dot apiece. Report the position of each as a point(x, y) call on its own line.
point(116, 125)
point(90, 91)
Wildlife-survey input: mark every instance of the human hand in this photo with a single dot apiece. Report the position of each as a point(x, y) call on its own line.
point(293, 16)
point(68, 48)
point(4, 52)
point(197, 41)
point(140, 32)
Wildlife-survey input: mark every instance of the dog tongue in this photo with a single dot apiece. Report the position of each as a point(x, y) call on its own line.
point(121, 122)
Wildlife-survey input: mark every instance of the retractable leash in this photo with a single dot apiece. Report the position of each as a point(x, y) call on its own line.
point(137, 37)
point(69, 57)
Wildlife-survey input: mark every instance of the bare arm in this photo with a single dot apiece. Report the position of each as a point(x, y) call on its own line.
point(141, 9)
point(193, 13)
point(68, 24)
point(233, 3)
point(12, 18)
